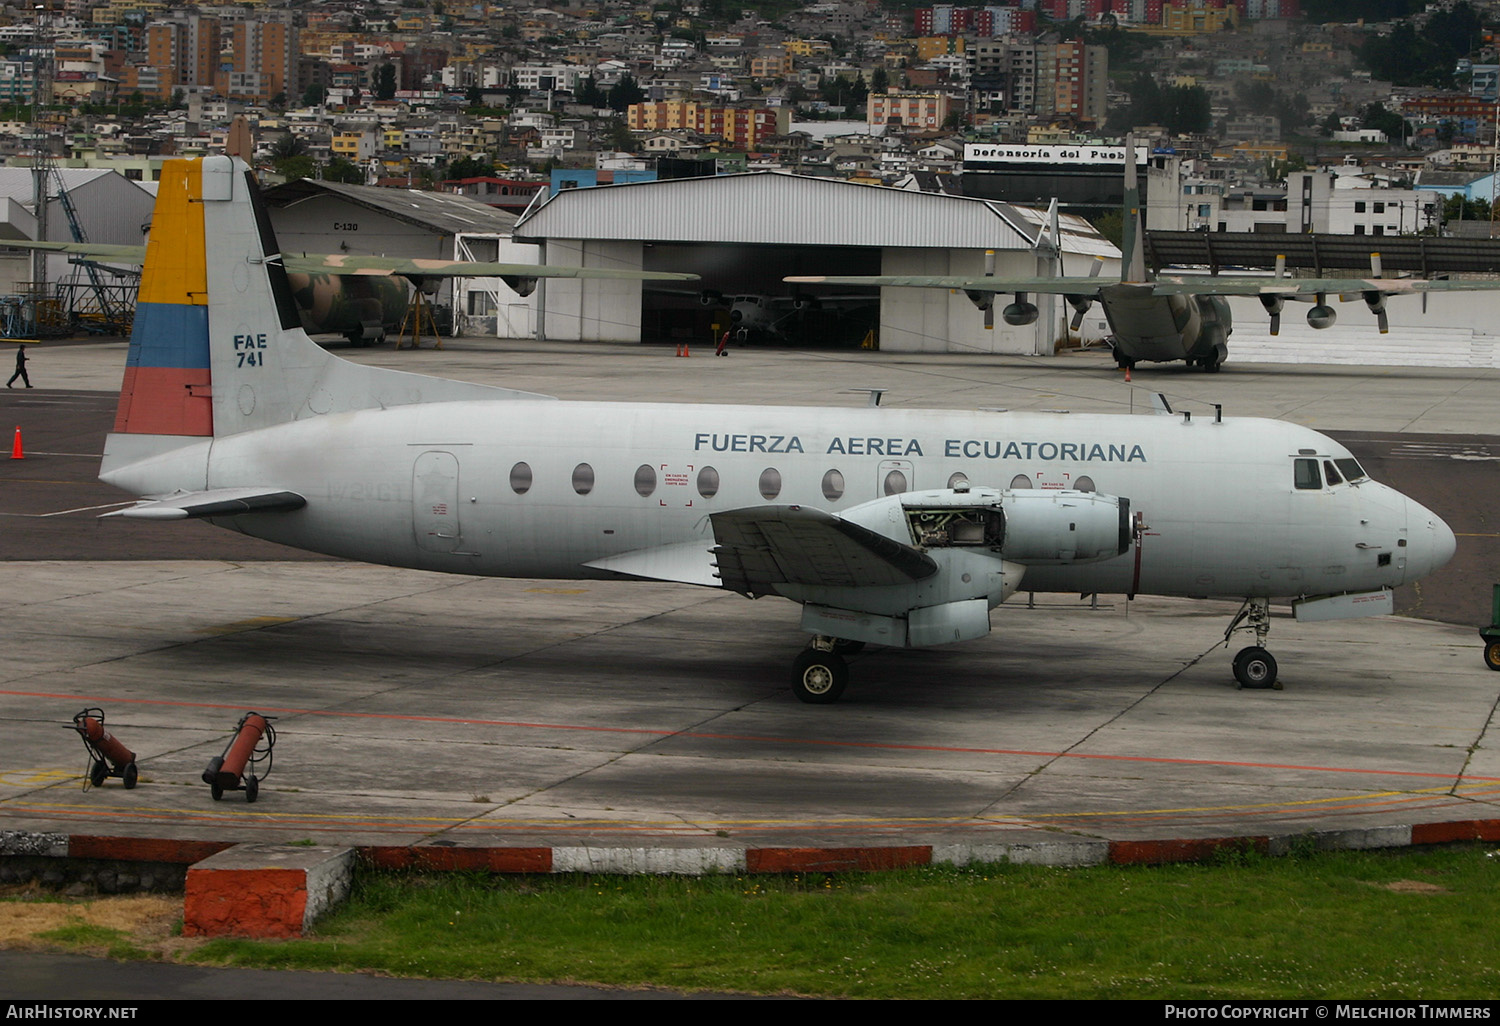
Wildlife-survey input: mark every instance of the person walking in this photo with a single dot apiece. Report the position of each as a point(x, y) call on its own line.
point(20, 369)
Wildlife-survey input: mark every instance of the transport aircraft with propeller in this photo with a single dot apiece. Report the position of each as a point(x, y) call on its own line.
point(1164, 318)
point(889, 526)
point(360, 296)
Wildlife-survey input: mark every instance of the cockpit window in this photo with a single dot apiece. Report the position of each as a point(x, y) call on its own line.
point(1306, 474)
point(1331, 474)
point(1352, 470)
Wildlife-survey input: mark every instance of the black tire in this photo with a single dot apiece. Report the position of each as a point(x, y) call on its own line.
point(1254, 667)
point(1492, 655)
point(252, 789)
point(131, 774)
point(818, 678)
point(216, 791)
point(98, 772)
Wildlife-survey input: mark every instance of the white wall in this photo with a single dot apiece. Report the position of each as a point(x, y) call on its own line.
point(914, 320)
point(591, 309)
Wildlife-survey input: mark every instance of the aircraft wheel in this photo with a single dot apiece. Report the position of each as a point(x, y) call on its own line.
point(845, 647)
point(252, 789)
point(131, 774)
point(1492, 655)
point(98, 772)
point(818, 677)
point(1254, 667)
point(216, 791)
point(1122, 361)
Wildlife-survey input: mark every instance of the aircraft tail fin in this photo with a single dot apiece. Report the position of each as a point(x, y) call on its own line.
point(217, 347)
point(1132, 244)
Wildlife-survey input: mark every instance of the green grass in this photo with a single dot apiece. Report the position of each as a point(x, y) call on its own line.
point(1364, 924)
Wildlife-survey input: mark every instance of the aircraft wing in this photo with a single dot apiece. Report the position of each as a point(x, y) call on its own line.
point(350, 263)
point(760, 547)
point(1167, 285)
point(356, 263)
point(97, 250)
point(1050, 286)
point(216, 502)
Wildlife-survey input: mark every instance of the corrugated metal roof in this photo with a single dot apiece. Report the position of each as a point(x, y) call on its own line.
point(1322, 254)
point(775, 208)
point(16, 182)
point(443, 211)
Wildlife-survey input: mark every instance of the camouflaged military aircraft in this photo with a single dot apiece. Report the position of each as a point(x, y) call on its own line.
point(1170, 317)
point(896, 527)
point(359, 296)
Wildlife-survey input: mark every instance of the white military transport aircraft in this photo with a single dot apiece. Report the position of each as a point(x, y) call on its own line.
point(894, 527)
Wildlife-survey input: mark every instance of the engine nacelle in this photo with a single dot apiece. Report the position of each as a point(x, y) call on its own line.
point(1018, 315)
point(708, 297)
point(1045, 527)
point(1032, 527)
point(981, 540)
point(523, 286)
point(981, 300)
point(1321, 316)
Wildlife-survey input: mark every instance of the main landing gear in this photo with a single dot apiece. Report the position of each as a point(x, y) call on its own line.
point(819, 673)
point(1254, 667)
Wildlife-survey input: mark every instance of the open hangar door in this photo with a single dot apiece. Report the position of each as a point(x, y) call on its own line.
point(741, 291)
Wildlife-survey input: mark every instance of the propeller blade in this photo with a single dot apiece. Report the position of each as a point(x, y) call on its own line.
point(1381, 320)
point(1276, 323)
point(1280, 268)
point(1077, 320)
point(1375, 265)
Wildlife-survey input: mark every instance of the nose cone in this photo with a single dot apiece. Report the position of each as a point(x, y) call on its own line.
point(1431, 543)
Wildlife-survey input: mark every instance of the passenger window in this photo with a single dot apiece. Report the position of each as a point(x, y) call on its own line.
point(1020, 481)
point(770, 483)
point(833, 486)
point(520, 478)
point(583, 479)
point(895, 483)
point(708, 482)
point(645, 480)
point(1306, 474)
point(1331, 474)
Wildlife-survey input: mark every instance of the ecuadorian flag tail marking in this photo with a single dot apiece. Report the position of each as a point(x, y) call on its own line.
point(167, 379)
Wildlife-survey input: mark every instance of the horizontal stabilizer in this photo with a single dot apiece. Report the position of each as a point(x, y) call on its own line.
point(761, 547)
point(216, 502)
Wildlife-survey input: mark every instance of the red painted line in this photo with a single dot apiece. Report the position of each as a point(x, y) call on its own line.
point(699, 736)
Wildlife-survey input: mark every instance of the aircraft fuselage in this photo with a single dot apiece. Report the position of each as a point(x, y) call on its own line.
point(539, 489)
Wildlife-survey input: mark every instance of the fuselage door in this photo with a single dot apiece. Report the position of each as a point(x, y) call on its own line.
point(434, 481)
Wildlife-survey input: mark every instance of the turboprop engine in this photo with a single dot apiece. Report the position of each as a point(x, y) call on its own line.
point(981, 541)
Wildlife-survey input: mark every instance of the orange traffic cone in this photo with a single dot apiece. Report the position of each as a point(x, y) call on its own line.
point(1127, 374)
point(15, 449)
point(685, 350)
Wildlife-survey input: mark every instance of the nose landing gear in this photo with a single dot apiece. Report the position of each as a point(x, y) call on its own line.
point(1254, 667)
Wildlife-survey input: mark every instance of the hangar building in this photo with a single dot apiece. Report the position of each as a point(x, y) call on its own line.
point(743, 233)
